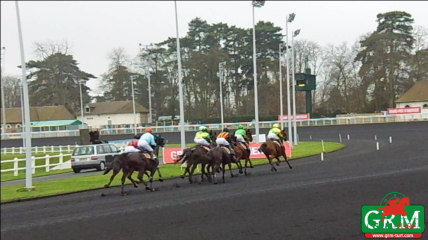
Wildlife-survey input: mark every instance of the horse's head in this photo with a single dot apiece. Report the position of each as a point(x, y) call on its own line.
point(284, 134)
point(405, 201)
point(160, 141)
point(212, 134)
point(249, 134)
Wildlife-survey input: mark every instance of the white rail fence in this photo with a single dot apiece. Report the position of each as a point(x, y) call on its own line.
point(217, 126)
point(47, 165)
point(40, 149)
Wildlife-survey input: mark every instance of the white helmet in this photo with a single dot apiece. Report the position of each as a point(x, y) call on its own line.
point(201, 128)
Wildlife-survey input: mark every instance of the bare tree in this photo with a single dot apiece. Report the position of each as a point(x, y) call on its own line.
point(42, 50)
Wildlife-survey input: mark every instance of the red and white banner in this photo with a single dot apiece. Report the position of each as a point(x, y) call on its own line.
point(304, 116)
point(171, 154)
point(407, 110)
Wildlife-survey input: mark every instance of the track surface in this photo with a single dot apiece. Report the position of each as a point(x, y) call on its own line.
point(314, 200)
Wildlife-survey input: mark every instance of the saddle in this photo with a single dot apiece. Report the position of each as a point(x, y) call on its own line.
point(205, 147)
point(226, 149)
point(243, 145)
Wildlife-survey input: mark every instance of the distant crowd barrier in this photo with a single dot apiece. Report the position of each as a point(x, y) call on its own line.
point(217, 126)
point(47, 165)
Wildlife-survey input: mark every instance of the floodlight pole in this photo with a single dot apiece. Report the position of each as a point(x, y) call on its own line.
point(180, 83)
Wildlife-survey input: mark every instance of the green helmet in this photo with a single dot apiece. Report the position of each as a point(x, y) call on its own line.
point(240, 127)
point(276, 125)
point(203, 129)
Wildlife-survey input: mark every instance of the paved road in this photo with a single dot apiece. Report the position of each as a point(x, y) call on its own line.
point(314, 200)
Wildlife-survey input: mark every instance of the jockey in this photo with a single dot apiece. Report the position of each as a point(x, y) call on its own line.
point(224, 139)
point(133, 145)
point(203, 137)
point(146, 141)
point(276, 134)
point(241, 136)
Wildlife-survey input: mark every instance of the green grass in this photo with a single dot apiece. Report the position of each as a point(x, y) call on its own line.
point(8, 176)
point(68, 185)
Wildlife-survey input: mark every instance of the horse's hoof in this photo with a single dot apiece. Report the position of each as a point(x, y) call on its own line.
point(160, 180)
point(152, 190)
point(103, 195)
point(182, 177)
point(135, 186)
point(124, 193)
point(277, 164)
point(147, 188)
point(215, 182)
point(241, 172)
point(251, 167)
point(106, 186)
point(232, 176)
point(291, 167)
point(236, 175)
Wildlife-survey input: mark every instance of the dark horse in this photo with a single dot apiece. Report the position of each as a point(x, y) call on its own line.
point(95, 137)
point(194, 156)
point(129, 162)
point(221, 156)
point(242, 153)
point(272, 149)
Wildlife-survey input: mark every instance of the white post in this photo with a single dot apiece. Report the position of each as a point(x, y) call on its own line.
point(375, 137)
point(60, 148)
point(290, 136)
point(81, 101)
point(281, 98)
point(15, 167)
point(322, 143)
point(33, 164)
point(20, 149)
point(294, 90)
point(310, 137)
point(52, 148)
point(150, 96)
point(348, 137)
point(180, 82)
point(2, 92)
point(37, 149)
point(340, 138)
point(44, 149)
point(61, 160)
point(220, 67)
point(133, 103)
point(13, 150)
point(390, 139)
point(256, 100)
point(377, 145)
point(47, 163)
point(322, 156)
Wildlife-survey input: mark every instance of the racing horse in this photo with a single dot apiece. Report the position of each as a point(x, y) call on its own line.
point(272, 149)
point(95, 137)
point(218, 158)
point(241, 152)
point(194, 156)
point(118, 164)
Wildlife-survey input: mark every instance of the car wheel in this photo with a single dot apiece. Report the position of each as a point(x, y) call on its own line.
point(76, 170)
point(102, 166)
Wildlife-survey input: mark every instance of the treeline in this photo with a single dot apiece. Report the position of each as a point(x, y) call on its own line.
point(365, 76)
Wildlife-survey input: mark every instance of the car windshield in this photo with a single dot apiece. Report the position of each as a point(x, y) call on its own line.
point(87, 150)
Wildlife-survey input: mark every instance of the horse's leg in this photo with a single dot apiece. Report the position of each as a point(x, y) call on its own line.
point(278, 161)
point(214, 172)
point(224, 171)
point(286, 160)
point(140, 177)
point(203, 172)
point(125, 174)
point(270, 162)
point(111, 178)
point(131, 179)
point(186, 170)
point(192, 170)
point(151, 179)
point(160, 175)
point(230, 169)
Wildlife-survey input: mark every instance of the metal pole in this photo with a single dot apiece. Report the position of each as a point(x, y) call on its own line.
point(81, 102)
point(28, 172)
point(150, 95)
point(2, 92)
point(133, 104)
point(290, 137)
point(280, 89)
point(180, 83)
point(221, 93)
point(256, 100)
point(22, 115)
point(294, 89)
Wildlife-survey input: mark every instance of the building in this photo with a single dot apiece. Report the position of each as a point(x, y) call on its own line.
point(113, 114)
point(37, 114)
point(417, 96)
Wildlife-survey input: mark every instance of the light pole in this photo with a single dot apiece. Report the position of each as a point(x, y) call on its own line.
point(132, 78)
point(220, 69)
point(22, 114)
point(180, 83)
point(280, 87)
point(3, 53)
point(81, 101)
point(28, 172)
point(290, 19)
point(295, 33)
point(258, 4)
point(149, 85)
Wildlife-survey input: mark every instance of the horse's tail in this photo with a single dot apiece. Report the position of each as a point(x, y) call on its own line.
point(262, 147)
point(116, 164)
point(182, 157)
point(380, 208)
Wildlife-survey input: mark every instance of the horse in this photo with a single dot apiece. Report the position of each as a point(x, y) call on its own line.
point(95, 137)
point(220, 156)
point(194, 156)
point(117, 163)
point(241, 152)
point(396, 209)
point(272, 149)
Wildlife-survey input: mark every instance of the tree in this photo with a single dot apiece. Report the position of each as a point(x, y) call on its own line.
point(55, 81)
point(12, 91)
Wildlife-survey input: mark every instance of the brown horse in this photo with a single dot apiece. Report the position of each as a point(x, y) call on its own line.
point(241, 152)
point(194, 156)
point(273, 149)
point(221, 156)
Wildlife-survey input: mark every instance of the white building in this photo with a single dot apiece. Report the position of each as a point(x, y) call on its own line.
point(113, 114)
point(417, 96)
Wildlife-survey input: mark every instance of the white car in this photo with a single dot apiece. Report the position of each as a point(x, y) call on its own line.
point(96, 156)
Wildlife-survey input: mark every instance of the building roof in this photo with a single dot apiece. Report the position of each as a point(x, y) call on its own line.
point(46, 113)
point(418, 93)
point(115, 107)
point(56, 123)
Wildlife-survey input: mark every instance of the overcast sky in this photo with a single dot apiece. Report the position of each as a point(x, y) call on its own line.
point(95, 28)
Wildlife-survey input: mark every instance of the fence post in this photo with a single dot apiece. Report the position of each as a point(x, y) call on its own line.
point(60, 148)
point(20, 150)
point(37, 149)
point(33, 164)
point(68, 148)
point(47, 163)
point(44, 149)
point(52, 148)
point(13, 150)
point(15, 167)
point(61, 160)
